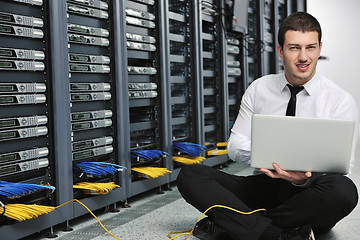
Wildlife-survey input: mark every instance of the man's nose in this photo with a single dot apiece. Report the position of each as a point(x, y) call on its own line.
point(303, 55)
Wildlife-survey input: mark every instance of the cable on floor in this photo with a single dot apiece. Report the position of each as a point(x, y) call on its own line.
point(190, 231)
point(75, 200)
point(22, 212)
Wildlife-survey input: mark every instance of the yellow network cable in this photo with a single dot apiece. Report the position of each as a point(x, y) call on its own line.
point(221, 144)
point(186, 159)
point(22, 212)
point(190, 231)
point(216, 152)
point(95, 187)
point(75, 200)
point(151, 172)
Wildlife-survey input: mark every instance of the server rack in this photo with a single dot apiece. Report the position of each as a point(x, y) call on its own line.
point(269, 14)
point(181, 67)
point(144, 85)
point(253, 43)
point(235, 73)
point(281, 11)
point(28, 151)
point(213, 78)
point(93, 128)
point(26, 129)
point(267, 24)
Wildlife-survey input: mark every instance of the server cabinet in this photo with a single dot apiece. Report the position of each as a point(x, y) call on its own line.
point(253, 43)
point(268, 36)
point(213, 80)
point(271, 13)
point(28, 152)
point(25, 120)
point(181, 75)
point(92, 83)
point(235, 74)
point(143, 29)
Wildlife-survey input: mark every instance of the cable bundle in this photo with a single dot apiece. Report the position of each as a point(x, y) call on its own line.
point(191, 149)
point(22, 212)
point(213, 149)
point(96, 188)
point(221, 144)
point(13, 190)
point(151, 172)
point(148, 154)
point(98, 169)
point(185, 159)
point(216, 151)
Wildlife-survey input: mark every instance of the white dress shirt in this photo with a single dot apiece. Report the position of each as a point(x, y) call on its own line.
point(321, 98)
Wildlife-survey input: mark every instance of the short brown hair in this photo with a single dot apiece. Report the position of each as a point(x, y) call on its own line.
point(298, 21)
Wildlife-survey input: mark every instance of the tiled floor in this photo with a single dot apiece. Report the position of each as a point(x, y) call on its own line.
point(152, 217)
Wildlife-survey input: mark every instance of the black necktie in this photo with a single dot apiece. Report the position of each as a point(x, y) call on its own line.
point(290, 111)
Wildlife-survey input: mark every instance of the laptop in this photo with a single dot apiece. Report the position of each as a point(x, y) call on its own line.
point(301, 144)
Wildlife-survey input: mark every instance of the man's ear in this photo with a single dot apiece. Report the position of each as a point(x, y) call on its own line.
point(280, 51)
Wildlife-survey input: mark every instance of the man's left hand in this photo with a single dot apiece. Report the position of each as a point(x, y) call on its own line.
point(293, 177)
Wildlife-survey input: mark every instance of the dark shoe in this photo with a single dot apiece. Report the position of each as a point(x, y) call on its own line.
point(299, 233)
point(206, 229)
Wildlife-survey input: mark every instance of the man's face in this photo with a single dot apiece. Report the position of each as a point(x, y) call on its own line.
point(300, 55)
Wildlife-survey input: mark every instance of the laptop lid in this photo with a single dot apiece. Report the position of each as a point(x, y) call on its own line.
point(301, 144)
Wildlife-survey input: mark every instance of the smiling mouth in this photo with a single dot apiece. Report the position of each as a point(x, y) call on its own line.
point(302, 67)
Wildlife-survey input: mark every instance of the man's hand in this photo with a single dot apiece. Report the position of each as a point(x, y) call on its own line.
point(293, 177)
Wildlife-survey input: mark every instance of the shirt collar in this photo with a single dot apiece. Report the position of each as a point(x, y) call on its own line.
point(310, 86)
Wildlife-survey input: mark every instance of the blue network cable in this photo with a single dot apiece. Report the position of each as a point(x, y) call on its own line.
point(12, 190)
point(191, 149)
point(148, 154)
point(98, 169)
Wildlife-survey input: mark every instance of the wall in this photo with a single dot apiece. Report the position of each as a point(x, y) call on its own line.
point(341, 33)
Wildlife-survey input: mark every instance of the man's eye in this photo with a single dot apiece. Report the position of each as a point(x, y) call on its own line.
point(293, 48)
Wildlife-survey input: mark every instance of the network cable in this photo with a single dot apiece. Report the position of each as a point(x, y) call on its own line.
point(96, 188)
point(190, 231)
point(148, 154)
point(191, 149)
point(150, 172)
point(98, 169)
point(213, 149)
point(186, 159)
point(22, 212)
point(13, 190)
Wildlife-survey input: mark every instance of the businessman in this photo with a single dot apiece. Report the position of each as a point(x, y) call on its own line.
point(296, 203)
